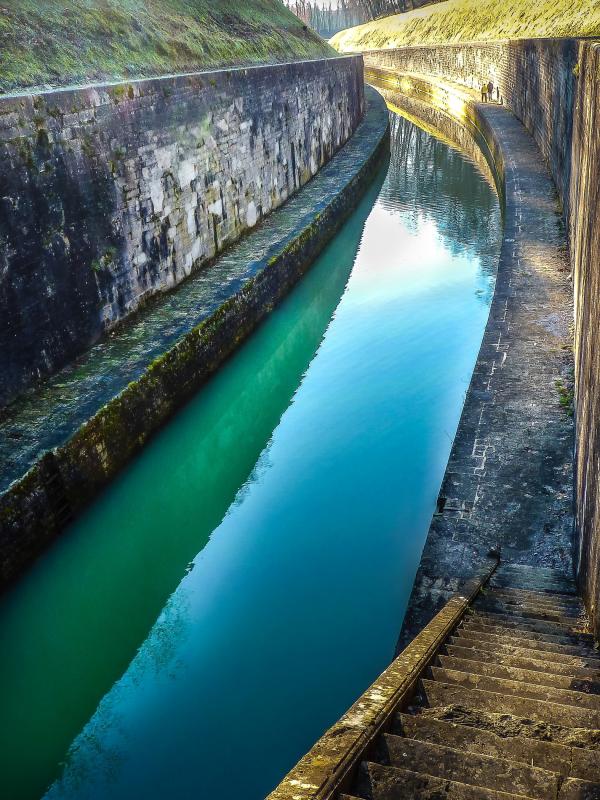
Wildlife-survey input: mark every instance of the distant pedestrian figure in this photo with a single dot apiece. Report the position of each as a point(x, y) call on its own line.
point(484, 90)
point(490, 88)
point(497, 94)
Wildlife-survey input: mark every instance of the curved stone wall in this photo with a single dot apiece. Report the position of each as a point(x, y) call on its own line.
point(113, 193)
point(553, 87)
point(61, 483)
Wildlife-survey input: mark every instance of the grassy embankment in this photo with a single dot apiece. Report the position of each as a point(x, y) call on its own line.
point(62, 42)
point(475, 20)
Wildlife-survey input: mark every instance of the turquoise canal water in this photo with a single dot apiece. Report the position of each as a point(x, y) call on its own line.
point(246, 577)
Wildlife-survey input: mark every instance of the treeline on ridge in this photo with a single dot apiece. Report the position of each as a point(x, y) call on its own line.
point(327, 17)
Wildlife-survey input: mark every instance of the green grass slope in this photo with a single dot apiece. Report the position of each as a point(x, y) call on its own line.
point(61, 42)
point(475, 20)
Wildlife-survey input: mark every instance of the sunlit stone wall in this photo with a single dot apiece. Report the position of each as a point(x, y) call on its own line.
point(553, 86)
point(111, 194)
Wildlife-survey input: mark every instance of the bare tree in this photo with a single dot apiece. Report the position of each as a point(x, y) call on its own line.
point(332, 16)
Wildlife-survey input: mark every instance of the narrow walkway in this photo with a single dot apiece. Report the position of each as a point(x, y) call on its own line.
point(510, 708)
point(509, 480)
point(49, 415)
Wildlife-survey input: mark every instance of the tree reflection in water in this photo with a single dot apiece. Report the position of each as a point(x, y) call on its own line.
point(430, 180)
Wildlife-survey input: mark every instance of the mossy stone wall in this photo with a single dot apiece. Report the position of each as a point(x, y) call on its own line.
point(37, 507)
point(113, 193)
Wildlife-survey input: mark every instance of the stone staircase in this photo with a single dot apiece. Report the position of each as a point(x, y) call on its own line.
point(509, 708)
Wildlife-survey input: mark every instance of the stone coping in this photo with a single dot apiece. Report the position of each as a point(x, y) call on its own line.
point(175, 76)
point(471, 43)
point(328, 768)
point(66, 478)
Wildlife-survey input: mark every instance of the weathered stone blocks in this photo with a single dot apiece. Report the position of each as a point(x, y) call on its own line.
point(113, 193)
point(59, 485)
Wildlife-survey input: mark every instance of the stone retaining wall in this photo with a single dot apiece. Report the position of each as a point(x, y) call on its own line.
point(37, 507)
point(553, 87)
point(112, 193)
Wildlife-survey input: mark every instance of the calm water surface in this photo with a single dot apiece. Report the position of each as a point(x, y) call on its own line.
point(246, 577)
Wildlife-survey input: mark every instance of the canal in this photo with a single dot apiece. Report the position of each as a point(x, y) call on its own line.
point(246, 577)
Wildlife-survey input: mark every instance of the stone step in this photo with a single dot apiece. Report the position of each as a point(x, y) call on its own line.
point(528, 638)
point(576, 622)
point(474, 769)
point(539, 650)
point(514, 566)
point(537, 594)
point(548, 591)
point(528, 626)
point(508, 637)
point(575, 627)
point(471, 623)
point(468, 739)
point(584, 743)
point(499, 670)
point(546, 587)
point(550, 665)
point(533, 572)
point(378, 782)
point(517, 608)
point(573, 789)
point(534, 598)
point(533, 576)
point(518, 688)
point(585, 764)
point(493, 605)
point(439, 693)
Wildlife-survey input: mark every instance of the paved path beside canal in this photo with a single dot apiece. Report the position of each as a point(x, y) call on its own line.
point(509, 479)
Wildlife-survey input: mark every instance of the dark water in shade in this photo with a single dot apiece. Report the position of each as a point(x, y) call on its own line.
point(246, 577)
